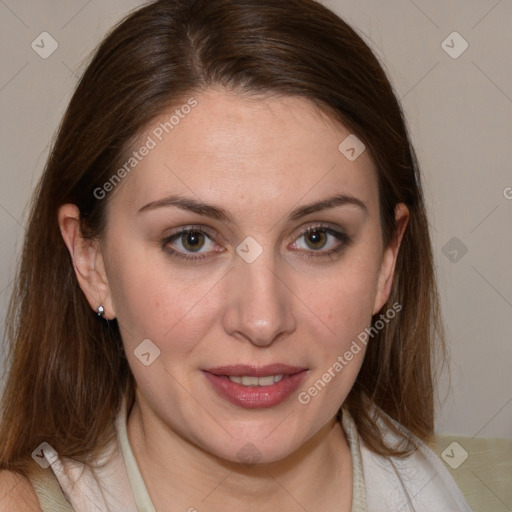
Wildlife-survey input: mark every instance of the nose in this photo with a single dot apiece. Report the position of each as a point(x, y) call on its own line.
point(259, 301)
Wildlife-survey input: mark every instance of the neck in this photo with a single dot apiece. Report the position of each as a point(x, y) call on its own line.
point(179, 475)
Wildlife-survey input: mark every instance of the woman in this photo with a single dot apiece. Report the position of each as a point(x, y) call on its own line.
point(227, 299)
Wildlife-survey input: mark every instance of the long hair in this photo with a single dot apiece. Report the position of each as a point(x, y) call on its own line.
point(67, 368)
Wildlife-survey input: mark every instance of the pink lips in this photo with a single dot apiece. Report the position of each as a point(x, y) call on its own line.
point(255, 397)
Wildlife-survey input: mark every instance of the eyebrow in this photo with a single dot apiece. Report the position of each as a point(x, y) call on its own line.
point(218, 213)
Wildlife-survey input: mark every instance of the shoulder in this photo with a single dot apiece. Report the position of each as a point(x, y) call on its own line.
point(17, 493)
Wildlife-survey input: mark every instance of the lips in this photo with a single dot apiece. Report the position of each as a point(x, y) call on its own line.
point(253, 387)
point(253, 371)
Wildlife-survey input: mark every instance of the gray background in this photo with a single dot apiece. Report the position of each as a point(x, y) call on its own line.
point(459, 111)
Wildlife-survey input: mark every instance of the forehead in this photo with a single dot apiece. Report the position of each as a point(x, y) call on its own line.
point(245, 150)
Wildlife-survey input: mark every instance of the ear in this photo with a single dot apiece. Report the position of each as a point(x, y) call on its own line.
point(87, 260)
point(389, 257)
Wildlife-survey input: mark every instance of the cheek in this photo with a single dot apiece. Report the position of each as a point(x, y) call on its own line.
point(344, 298)
point(158, 302)
point(346, 309)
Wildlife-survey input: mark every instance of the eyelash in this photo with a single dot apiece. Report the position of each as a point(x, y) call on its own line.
point(344, 239)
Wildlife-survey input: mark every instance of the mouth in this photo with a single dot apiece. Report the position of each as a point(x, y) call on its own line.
point(253, 387)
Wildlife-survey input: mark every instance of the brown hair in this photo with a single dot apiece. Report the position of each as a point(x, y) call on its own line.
point(68, 371)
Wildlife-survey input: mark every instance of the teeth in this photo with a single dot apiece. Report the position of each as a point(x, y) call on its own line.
point(263, 381)
point(247, 380)
point(250, 381)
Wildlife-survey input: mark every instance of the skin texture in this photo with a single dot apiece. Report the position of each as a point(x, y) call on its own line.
point(259, 159)
point(17, 493)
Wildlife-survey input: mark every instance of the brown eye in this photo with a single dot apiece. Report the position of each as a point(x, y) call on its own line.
point(322, 241)
point(192, 240)
point(316, 239)
point(192, 244)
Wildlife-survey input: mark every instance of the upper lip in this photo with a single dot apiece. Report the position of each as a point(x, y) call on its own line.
point(255, 371)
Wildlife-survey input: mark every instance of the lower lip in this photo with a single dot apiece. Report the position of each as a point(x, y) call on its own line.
point(256, 397)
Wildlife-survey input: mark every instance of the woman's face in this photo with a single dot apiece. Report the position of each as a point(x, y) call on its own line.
point(247, 297)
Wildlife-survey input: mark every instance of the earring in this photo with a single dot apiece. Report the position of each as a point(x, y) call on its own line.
point(100, 311)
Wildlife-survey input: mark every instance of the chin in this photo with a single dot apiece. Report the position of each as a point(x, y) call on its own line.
point(253, 448)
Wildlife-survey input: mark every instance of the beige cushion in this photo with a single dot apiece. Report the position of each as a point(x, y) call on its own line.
point(485, 476)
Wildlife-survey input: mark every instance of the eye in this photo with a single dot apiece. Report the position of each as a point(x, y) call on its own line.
point(323, 241)
point(191, 239)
